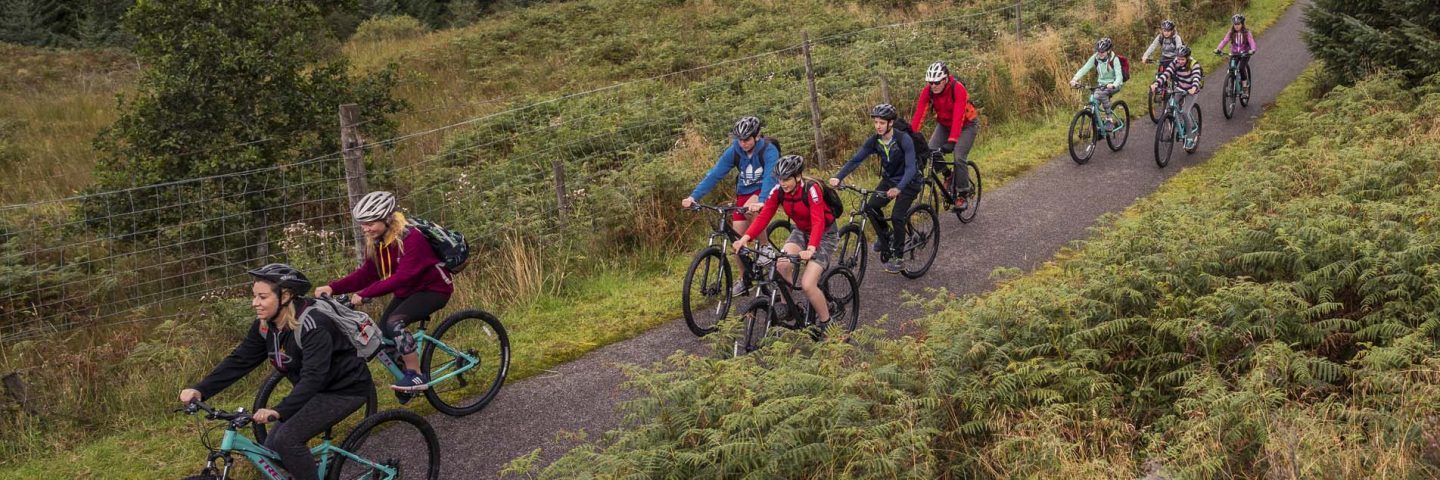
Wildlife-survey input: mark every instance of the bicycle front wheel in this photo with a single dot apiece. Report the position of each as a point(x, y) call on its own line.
point(1228, 96)
point(1154, 104)
point(757, 317)
point(1122, 115)
point(777, 232)
point(853, 249)
point(922, 241)
point(1082, 136)
point(705, 298)
point(1197, 126)
point(1245, 87)
point(275, 388)
point(842, 294)
point(394, 440)
point(467, 361)
point(1164, 141)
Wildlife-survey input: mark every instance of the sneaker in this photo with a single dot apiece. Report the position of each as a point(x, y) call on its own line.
point(817, 331)
point(739, 290)
point(1190, 142)
point(961, 203)
point(412, 382)
point(894, 265)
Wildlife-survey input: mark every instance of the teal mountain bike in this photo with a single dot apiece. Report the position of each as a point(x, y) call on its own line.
point(390, 445)
point(1087, 128)
point(1171, 130)
point(467, 359)
point(1236, 91)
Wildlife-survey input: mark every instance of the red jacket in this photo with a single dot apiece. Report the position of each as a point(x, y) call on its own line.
point(811, 215)
point(952, 108)
point(390, 271)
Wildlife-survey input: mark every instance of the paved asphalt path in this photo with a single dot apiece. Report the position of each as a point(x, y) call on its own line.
point(1020, 225)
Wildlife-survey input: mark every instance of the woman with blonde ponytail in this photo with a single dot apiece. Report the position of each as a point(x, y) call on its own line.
point(398, 261)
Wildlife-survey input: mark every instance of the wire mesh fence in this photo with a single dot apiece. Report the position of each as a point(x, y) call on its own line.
point(583, 168)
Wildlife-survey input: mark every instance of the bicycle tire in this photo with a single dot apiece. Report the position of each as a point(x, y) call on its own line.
point(390, 423)
point(1164, 141)
point(758, 316)
point(490, 333)
point(706, 304)
point(777, 226)
point(1245, 86)
point(844, 305)
point(1124, 127)
point(929, 241)
point(972, 204)
point(1228, 96)
point(1152, 108)
point(267, 390)
point(1199, 126)
point(1086, 128)
point(853, 251)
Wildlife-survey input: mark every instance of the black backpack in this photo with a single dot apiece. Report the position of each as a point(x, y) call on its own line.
point(922, 144)
point(449, 245)
point(832, 198)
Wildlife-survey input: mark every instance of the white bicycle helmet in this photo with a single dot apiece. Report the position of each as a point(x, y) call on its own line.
point(938, 71)
point(374, 206)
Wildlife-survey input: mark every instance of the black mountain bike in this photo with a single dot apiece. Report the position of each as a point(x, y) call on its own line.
point(705, 298)
point(942, 193)
point(775, 305)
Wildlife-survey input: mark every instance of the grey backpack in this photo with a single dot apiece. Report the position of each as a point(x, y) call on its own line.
point(355, 325)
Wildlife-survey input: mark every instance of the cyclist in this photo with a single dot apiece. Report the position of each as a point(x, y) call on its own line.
point(399, 261)
point(303, 344)
point(1107, 74)
point(754, 157)
point(900, 180)
point(1185, 74)
point(956, 123)
point(1241, 42)
point(814, 236)
point(1167, 42)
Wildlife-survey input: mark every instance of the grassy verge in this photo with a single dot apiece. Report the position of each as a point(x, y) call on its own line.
point(1270, 313)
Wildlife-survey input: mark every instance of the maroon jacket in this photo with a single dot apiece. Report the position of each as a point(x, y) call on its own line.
point(389, 271)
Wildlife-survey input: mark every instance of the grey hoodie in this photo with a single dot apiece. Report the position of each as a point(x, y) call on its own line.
point(1168, 48)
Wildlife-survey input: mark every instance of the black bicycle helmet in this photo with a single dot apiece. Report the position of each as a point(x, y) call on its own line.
point(1238, 19)
point(746, 127)
point(789, 166)
point(284, 276)
point(1104, 45)
point(1183, 51)
point(1167, 25)
point(884, 111)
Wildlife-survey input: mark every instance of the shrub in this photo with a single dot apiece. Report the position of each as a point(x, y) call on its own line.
point(388, 27)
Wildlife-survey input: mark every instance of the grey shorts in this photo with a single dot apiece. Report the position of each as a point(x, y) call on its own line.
point(827, 243)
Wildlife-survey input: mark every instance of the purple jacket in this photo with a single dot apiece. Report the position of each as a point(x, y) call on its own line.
point(417, 269)
point(1245, 45)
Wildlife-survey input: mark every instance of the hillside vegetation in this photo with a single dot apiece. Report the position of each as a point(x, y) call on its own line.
point(1269, 314)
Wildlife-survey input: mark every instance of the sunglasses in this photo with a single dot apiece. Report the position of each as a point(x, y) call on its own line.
point(937, 82)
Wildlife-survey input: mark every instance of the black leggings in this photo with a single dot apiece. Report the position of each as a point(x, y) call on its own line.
point(289, 437)
point(403, 310)
point(899, 216)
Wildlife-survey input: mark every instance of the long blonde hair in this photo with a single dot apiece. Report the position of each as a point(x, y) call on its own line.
point(285, 317)
point(393, 228)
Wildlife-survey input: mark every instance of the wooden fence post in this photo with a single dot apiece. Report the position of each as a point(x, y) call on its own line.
point(814, 101)
point(885, 90)
point(1020, 19)
point(355, 182)
point(561, 195)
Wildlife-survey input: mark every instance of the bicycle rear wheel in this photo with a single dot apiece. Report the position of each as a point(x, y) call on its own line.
point(1197, 126)
point(395, 439)
point(276, 387)
point(922, 241)
point(1082, 136)
point(853, 250)
point(972, 203)
point(842, 294)
point(471, 384)
point(1228, 96)
point(1122, 114)
point(705, 298)
point(757, 317)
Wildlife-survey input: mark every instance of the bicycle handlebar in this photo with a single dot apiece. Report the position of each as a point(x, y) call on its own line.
point(238, 419)
point(697, 206)
point(773, 256)
point(859, 190)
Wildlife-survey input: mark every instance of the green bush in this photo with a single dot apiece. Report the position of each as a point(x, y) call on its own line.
point(1270, 313)
point(1357, 38)
point(388, 27)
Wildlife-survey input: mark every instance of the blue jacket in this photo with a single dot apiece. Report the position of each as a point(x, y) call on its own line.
point(898, 160)
point(754, 170)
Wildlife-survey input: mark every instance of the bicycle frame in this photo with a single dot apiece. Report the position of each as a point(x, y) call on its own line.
point(937, 184)
point(1092, 108)
point(442, 372)
point(1172, 110)
point(265, 460)
point(772, 278)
